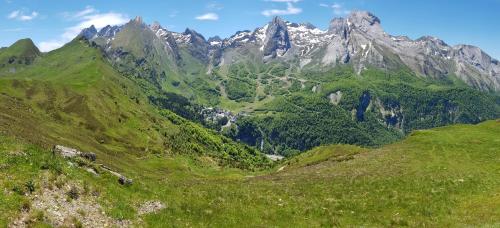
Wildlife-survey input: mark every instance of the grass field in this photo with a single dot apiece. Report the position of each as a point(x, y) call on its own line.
point(448, 176)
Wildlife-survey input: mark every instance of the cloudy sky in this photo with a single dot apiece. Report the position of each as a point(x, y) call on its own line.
point(52, 23)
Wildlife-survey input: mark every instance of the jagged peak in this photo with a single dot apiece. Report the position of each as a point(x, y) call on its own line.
point(469, 48)
point(363, 18)
point(296, 25)
point(240, 32)
point(308, 25)
point(338, 25)
point(138, 19)
point(109, 31)
point(214, 39)
point(431, 39)
point(89, 32)
point(277, 20)
point(195, 36)
point(156, 26)
point(190, 31)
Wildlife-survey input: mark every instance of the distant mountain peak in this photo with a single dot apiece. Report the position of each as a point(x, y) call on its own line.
point(195, 36)
point(214, 39)
point(363, 18)
point(156, 26)
point(432, 39)
point(277, 41)
point(357, 39)
point(88, 33)
point(339, 27)
point(277, 20)
point(138, 19)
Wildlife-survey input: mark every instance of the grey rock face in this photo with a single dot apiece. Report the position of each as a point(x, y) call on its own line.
point(168, 39)
point(88, 33)
point(476, 67)
point(277, 41)
point(109, 31)
point(338, 26)
point(362, 19)
point(197, 45)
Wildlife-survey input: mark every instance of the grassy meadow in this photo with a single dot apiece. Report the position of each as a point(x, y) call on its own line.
point(441, 177)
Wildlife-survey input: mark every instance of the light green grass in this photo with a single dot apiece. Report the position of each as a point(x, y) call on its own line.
point(440, 177)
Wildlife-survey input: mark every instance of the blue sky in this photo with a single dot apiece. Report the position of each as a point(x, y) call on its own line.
point(52, 23)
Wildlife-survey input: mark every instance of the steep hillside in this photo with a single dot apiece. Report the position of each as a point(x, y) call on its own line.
point(73, 97)
point(439, 177)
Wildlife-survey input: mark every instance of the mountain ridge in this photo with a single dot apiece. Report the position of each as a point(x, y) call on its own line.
point(358, 39)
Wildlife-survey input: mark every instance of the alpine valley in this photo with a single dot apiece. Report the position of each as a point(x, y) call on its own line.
point(287, 87)
point(284, 125)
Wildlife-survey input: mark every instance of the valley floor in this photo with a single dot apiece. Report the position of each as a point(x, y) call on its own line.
point(448, 176)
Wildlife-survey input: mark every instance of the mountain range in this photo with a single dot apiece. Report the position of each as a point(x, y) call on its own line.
point(285, 87)
point(358, 40)
point(285, 125)
point(381, 86)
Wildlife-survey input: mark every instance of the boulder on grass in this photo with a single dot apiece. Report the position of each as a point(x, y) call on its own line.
point(124, 181)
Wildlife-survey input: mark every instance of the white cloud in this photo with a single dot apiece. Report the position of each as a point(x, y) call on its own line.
point(86, 18)
point(208, 17)
point(338, 9)
point(13, 14)
point(88, 10)
point(290, 9)
point(19, 15)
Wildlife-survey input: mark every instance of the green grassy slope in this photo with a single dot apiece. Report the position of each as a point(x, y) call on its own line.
point(439, 177)
point(18, 55)
point(73, 97)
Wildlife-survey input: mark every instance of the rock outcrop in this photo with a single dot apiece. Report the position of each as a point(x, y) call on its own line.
point(277, 40)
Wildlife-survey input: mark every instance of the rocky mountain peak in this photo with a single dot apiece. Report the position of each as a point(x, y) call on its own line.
point(89, 32)
point(277, 21)
point(195, 36)
point(214, 39)
point(363, 19)
point(338, 26)
point(155, 26)
point(277, 41)
point(109, 31)
point(308, 25)
point(432, 39)
point(138, 20)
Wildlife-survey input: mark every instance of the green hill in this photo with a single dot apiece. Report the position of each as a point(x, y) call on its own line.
point(73, 97)
point(439, 177)
point(14, 58)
